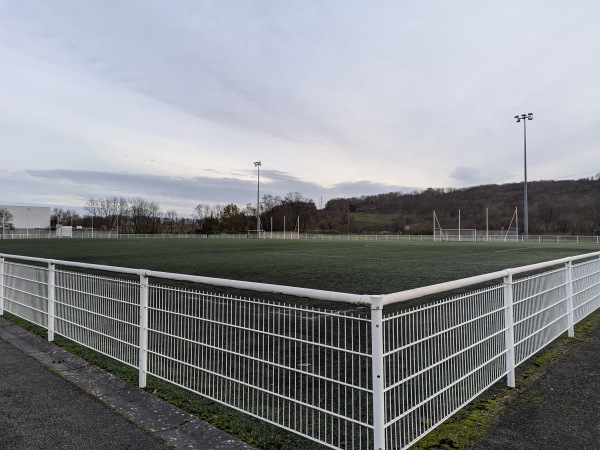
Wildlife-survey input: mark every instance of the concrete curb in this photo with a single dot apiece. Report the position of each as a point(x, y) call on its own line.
point(171, 424)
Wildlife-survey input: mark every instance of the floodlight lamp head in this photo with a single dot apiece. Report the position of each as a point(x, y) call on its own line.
point(518, 119)
point(257, 163)
point(530, 116)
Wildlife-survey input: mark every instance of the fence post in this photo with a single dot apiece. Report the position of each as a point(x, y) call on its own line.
point(1, 285)
point(378, 372)
point(509, 334)
point(569, 286)
point(143, 338)
point(51, 299)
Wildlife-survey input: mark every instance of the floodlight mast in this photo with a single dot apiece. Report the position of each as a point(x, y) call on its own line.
point(525, 118)
point(257, 164)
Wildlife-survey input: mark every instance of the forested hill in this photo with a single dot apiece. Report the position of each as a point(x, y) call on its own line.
point(570, 206)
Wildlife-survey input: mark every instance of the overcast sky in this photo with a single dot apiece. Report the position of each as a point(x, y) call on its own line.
point(174, 101)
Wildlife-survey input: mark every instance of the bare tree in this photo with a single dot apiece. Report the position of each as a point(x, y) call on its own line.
point(170, 223)
point(64, 216)
point(92, 206)
point(6, 219)
point(144, 216)
point(108, 212)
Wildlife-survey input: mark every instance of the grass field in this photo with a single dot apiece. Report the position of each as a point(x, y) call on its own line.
point(346, 266)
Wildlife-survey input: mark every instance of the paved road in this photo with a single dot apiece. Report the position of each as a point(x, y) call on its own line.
point(50, 398)
point(558, 410)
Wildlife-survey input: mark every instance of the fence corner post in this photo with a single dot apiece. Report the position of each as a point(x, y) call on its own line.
point(378, 372)
point(143, 337)
point(569, 286)
point(1, 285)
point(509, 334)
point(51, 299)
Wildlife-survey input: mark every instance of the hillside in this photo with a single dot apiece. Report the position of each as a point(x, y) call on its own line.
point(555, 207)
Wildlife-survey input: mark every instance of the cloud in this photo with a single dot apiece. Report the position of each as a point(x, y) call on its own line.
point(178, 193)
point(336, 99)
point(467, 176)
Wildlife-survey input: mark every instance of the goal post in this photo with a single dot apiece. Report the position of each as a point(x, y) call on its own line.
point(458, 235)
point(512, 234)
point(470, 234)
point(257, 234)
point(452, 234)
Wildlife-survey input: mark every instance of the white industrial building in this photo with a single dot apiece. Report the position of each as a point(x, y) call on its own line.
point(29, 217)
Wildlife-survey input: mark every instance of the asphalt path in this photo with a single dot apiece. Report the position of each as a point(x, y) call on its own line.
point(560, 409)
point(41, 410)
point(52, 399)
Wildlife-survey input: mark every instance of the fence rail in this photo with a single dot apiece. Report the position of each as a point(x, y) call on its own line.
point(88, 233)
point(365, 377)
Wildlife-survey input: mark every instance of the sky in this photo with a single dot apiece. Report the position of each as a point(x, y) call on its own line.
point(174, 101)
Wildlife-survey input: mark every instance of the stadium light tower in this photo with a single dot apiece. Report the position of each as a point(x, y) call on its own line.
point(257, 164)
point(525, 118)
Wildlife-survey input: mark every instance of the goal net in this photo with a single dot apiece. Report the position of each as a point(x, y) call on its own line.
point(257, 234)
point(458, 235)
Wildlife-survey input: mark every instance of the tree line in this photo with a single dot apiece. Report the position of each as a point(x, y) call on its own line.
point(555, 207)
point(141, 216)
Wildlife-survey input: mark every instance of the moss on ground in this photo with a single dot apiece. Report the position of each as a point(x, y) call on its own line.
point(468, 426)
point(253, 431)
point(463, 430)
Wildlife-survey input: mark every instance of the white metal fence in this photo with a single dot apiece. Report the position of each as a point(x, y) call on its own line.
point(366, 376)
point(465, 235)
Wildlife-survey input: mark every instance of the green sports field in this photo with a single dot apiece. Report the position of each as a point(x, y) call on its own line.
point(372, 267)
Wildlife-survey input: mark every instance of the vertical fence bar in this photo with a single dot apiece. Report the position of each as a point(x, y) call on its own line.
point(1, 285)
point(569, 286)
point(51, 299)
point(378, 373)
point(143, 339)
point(509, 334)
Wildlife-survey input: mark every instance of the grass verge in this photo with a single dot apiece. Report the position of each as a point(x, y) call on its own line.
point(466, 428)
point(253, 431)
point(463, 430)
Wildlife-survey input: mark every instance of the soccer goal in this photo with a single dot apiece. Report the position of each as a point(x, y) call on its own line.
point(458, 235)
point(453, 234)
point(512, 234)
point(257, 234)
